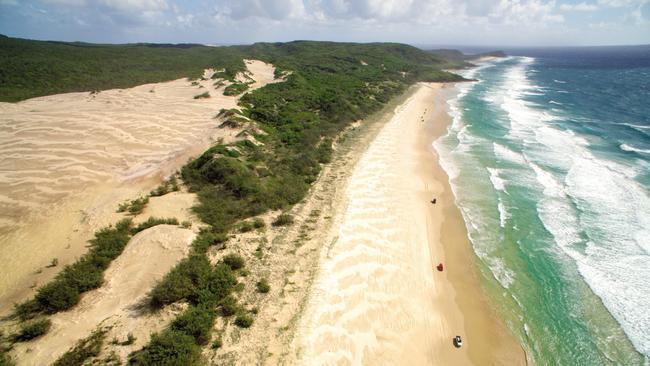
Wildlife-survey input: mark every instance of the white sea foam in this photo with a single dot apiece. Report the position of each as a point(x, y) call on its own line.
point(506, 154)
point(503, 214)
point(554, 102)
point(560, 81)
point(627, 147)
point(497, 182)
point(597, 213)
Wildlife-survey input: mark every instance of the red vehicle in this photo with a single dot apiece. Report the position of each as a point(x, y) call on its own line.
point(440, 267)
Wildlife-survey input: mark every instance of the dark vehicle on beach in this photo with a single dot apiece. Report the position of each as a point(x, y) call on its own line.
point(458, 342)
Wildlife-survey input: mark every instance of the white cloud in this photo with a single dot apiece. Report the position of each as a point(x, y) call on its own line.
point(8, 2)
point(135, 5)
point(583, 6)
point(271, 9)
point(65, 2)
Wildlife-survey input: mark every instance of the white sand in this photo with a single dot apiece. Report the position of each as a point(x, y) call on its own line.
point(69, 159)
point(146, 259)
point(378, 299)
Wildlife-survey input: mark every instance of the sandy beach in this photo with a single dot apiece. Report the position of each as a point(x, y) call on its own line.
point(70, 159)
point(377, 298)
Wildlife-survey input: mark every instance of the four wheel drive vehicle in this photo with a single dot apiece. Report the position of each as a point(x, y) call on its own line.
point(457, 341)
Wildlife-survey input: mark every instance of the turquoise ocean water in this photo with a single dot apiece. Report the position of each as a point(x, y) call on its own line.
point(549, 159)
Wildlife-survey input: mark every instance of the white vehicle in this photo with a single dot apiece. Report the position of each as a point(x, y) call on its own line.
point(458, 342)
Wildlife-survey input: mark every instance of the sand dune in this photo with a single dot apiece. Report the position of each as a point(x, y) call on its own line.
point(69, 159)
point(148, 256)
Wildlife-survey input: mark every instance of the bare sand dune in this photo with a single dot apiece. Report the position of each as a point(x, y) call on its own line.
point(69, 159)
point(147, 257)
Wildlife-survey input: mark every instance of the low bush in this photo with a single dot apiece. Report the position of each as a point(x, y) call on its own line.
point(86, 274)
point(134, 207)
point(235, 89)
point(33, 329)
point(151, 222)
point(197, 322)
point(234, 261)
point(202, 95)
point(169, 348)
point(263, 286)
point(85, 349)
point(283, 220)
point(229, 306)
point(182, 282)
point(170, 185)
point(244, 320)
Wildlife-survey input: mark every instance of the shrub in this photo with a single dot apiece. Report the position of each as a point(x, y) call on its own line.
point(134, 207)
point(57, 296)
point(283, 220)
point(169, 348)
point(196, 322)
point(244, 320)
point(182, 282)
point(258, 223)
point(84, 349)
point(234, 261)
point(85, 274)
point(34, 329)
point(235, 89)
point(153, 221)
point(263, 286)
point(170, 185)
point(202, 95)
point(217, 342)
point(229, 306)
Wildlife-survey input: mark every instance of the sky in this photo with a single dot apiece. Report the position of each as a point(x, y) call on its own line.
point(418, 22)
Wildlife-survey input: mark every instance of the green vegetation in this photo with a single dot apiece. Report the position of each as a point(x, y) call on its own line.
point(327, 86)
point(33, 329)
point(169, 185)
point(244, 320)
point(84, 275)
point(250, 225)
point(84, 350)
point(235, 89)
point(35, 68)
point(5, 360)
point(283, 220)
point(263, 286)
point(202, 95)
point(169, 348)
point(151, 222)
point(234, 261)
point(134, 207)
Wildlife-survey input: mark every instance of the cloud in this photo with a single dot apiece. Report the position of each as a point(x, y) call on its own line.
point(270, 9)
point(8, 2)
point(65, 2)
point(138, 5)
point(583, 6)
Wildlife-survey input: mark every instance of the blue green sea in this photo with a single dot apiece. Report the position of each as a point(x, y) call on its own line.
point(548, 156)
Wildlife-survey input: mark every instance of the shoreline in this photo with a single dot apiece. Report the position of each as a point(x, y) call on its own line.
point(497, 340)
point(377, 297)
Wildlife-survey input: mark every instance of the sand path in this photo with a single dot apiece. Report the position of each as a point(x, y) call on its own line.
point(69, 159)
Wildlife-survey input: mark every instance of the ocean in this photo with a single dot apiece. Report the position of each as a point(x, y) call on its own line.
point(548, 156)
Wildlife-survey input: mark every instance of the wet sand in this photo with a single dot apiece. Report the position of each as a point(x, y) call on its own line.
point(69, 159)
point(377, 298)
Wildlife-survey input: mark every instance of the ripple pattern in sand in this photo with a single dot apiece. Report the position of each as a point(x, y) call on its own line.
point(54, 146)
point(372, 298)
